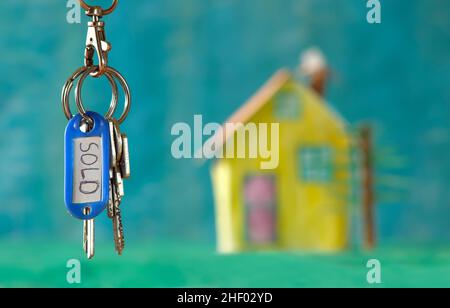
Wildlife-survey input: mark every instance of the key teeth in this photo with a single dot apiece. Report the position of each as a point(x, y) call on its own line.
point(89, 238)
point(120, 248)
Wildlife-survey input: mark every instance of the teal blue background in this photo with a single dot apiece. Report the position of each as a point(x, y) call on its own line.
point(186, 57)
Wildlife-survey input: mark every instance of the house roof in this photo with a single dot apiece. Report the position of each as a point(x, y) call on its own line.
point(251, 107)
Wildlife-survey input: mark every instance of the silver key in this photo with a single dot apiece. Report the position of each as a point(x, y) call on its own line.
point(125, 158)
point(119, 183)
point(113, 164)
point(116, 187)
point(115, 215)
point(114, 157)
point(116, 154)
point(118, 141)
point(119, 238)
point(88, 236)
point(117, 222)
point(111, 201)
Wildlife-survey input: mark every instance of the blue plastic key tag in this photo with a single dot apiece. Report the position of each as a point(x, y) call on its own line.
point(87, 163)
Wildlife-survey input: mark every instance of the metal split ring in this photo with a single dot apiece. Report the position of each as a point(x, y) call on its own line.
point(109, 10)
point(84, 71)
point(126, 91)
point(111, 74)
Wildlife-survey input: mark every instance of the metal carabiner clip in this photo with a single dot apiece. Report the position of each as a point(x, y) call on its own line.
point(96, 43)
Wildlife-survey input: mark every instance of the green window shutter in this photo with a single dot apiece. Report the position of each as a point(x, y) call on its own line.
point(316, 164)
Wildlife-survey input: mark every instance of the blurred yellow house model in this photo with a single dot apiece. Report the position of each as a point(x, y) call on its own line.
point(303, 203)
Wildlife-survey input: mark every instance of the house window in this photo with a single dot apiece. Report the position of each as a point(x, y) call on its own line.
point(287, 105)
point(260, 207)
point(316, 164)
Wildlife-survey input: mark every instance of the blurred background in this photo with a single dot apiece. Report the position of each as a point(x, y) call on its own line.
point(186, 57)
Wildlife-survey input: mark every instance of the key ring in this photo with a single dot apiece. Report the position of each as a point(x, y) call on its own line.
point(126, 90)
point(109, 10)
point(68, 87)
point(110, 73)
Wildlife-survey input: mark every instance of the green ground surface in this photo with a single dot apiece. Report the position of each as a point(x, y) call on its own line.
point(184, 265)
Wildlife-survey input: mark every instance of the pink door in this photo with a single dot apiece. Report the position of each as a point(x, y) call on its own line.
point(260, 204)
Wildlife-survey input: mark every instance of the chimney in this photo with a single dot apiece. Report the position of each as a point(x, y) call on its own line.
point(314, 66)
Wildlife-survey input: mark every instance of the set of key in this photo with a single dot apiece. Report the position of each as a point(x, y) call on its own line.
point(96, 155)
point(119, 170)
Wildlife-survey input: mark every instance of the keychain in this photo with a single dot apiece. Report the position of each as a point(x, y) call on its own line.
point(96, 157)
